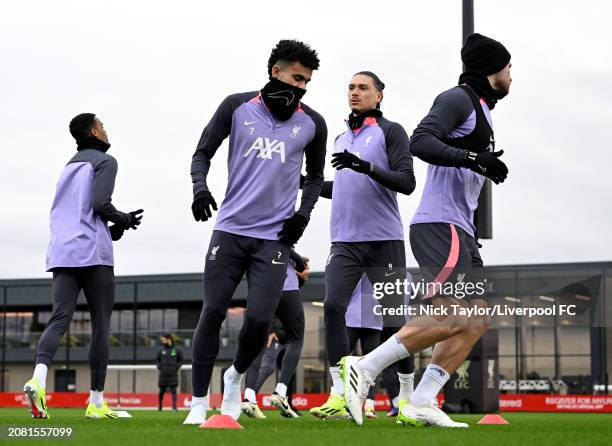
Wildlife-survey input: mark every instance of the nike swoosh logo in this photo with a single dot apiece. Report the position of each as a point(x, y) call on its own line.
point(274, 262)
point(284, 94)
point(390, 274)
point(249, 123)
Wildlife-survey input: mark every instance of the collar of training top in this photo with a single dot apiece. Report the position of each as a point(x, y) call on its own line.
point(356, 122)
point(90, 142)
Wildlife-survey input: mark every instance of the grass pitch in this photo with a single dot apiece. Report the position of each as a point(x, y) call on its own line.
point(148, 428)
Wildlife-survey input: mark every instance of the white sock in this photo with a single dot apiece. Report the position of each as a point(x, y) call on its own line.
point(406, 385)
point(395, 401)
point(40, 373)
point(337, 382)
point(281, 389)
point(249, 395)
point(198, 400)
point(369, 404)
point(387, 353)
point(96, 397)
point(232, 376)
point(431, 383)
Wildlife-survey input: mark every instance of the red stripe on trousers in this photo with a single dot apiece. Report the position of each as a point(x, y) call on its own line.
point(451, 261)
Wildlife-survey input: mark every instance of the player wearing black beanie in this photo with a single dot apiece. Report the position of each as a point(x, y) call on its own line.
point(456, 139)
point(485, 61)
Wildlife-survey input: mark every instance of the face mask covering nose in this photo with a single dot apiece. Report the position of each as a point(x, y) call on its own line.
point(282, 98)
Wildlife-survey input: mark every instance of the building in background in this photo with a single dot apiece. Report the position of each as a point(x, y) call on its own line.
point(556, 354)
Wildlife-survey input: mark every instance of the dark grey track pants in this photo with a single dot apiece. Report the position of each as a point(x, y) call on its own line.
point(229, 257)
point(98, 285)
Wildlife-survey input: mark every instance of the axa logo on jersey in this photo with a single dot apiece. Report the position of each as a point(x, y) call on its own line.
point(266, 147)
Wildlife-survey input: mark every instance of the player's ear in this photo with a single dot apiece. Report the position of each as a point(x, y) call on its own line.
point(275, 71)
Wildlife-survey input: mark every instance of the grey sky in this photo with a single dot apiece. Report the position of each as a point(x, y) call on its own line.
point(155, 72)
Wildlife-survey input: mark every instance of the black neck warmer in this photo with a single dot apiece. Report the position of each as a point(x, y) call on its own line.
point(356, 122)
point(90, 142)
point(480, 84)
point(281, 98)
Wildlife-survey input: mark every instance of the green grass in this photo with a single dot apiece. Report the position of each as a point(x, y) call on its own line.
point(148, 428)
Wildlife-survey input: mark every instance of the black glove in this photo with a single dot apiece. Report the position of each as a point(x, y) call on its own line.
point(135, 218)
point(344, 160)
point(293, 228)
point(201, 205)
point(300, 262)
point(487, 164)
point(116, 232)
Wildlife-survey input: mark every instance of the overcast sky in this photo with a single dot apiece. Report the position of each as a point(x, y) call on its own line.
point(154, 72)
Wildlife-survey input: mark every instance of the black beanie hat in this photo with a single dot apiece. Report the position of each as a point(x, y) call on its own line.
point(481, 54)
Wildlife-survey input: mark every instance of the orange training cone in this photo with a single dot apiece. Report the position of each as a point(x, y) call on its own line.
point(221, 422)
point(493, 419)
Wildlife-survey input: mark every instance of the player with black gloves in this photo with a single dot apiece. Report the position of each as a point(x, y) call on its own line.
point(456, 139)
point(116, 230)
point(80, 256)
point(270, 132)
point(373, 163)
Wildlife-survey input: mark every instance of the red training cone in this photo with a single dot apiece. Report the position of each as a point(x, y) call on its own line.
point(221, 422)
point(493, 419)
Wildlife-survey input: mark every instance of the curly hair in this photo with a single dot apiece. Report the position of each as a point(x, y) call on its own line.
point(81, 125)
point(290, 51)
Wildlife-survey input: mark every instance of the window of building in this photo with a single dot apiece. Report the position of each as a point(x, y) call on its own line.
point(171, 319)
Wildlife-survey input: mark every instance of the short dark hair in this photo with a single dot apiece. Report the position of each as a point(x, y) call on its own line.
point(290, 51)
point(81, 125)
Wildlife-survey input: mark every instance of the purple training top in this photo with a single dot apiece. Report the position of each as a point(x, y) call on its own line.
point(80, 210)
point(264, 162)
point(360, 311)
point(291, 281)
point(362, 209)
point(451, 194)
